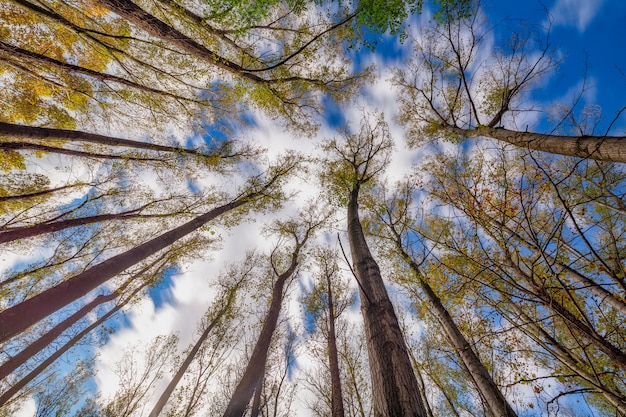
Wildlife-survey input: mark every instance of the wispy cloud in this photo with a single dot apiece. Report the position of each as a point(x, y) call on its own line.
point(578, 13)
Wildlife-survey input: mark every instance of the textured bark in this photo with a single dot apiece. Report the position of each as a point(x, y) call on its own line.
point(255, 370)
point(18, 318)
point(333, 357)
point(6, 396)
point(601, 148)
point(165, 396)
point(496, 402)
point(395, 392)
point(155, 27)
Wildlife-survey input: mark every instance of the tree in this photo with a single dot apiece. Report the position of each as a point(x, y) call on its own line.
point(324, 304)
point(358, 159)
point(19, 317)
point(526, 255)
point(224, 307)
point(252, 377)
point(394, 212)
point(450, 90)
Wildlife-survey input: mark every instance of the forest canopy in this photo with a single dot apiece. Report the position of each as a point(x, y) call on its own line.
point(277, 208)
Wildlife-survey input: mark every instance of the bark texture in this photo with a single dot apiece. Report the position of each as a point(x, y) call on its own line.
point(155, 27)
point(601, 148)
point(255, 370)
point(333, 358)
point(394, 386)
point(496, 402)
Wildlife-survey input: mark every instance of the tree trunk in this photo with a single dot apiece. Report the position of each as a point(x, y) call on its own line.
point(253, 375)
point(183, 368)
point(50, 227)
point(395, 392)
point(562, 354)
point(615, 353)
point(37, 59)
point(31, 132)
point(18, 318)
point(67, 346)
point(333, 357)
point(72, 152)
point(496, 402)
point(42, 342)
point(155, 27)
point(601, 148)
point(39, 193)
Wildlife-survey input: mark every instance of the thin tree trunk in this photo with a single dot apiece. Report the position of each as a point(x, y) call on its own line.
point(255, 369)
point(395, 392)
point(67, 346)
point(39, 193)
point(31, 132)
point(256, 401)
point(43, 228)
point(18, 318)
point(601, 148)
point(561, 353)
point(496, 402)
point(613, 352)
point(165, 396)
point(335, 378)
point(42, 342)
point(72, 152)
point(38, 59)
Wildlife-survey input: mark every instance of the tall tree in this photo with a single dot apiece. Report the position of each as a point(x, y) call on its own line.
point(533, 251)
point(395, 213)
point(357, 160)
point(223, 307)
point(328, 299)
point(455, 87)
point(252, 377)
point(19, 317)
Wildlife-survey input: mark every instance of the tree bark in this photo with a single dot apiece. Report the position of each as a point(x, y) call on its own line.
point(333, 357)
point(18, 318)
point(31, 132)
point(496, 402)
point(395, 392)
point(601, 148)
point(67, 346)
point(255, 370)
point(155, 27)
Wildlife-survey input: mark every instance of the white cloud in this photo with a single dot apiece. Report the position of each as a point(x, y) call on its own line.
point(578, 13)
